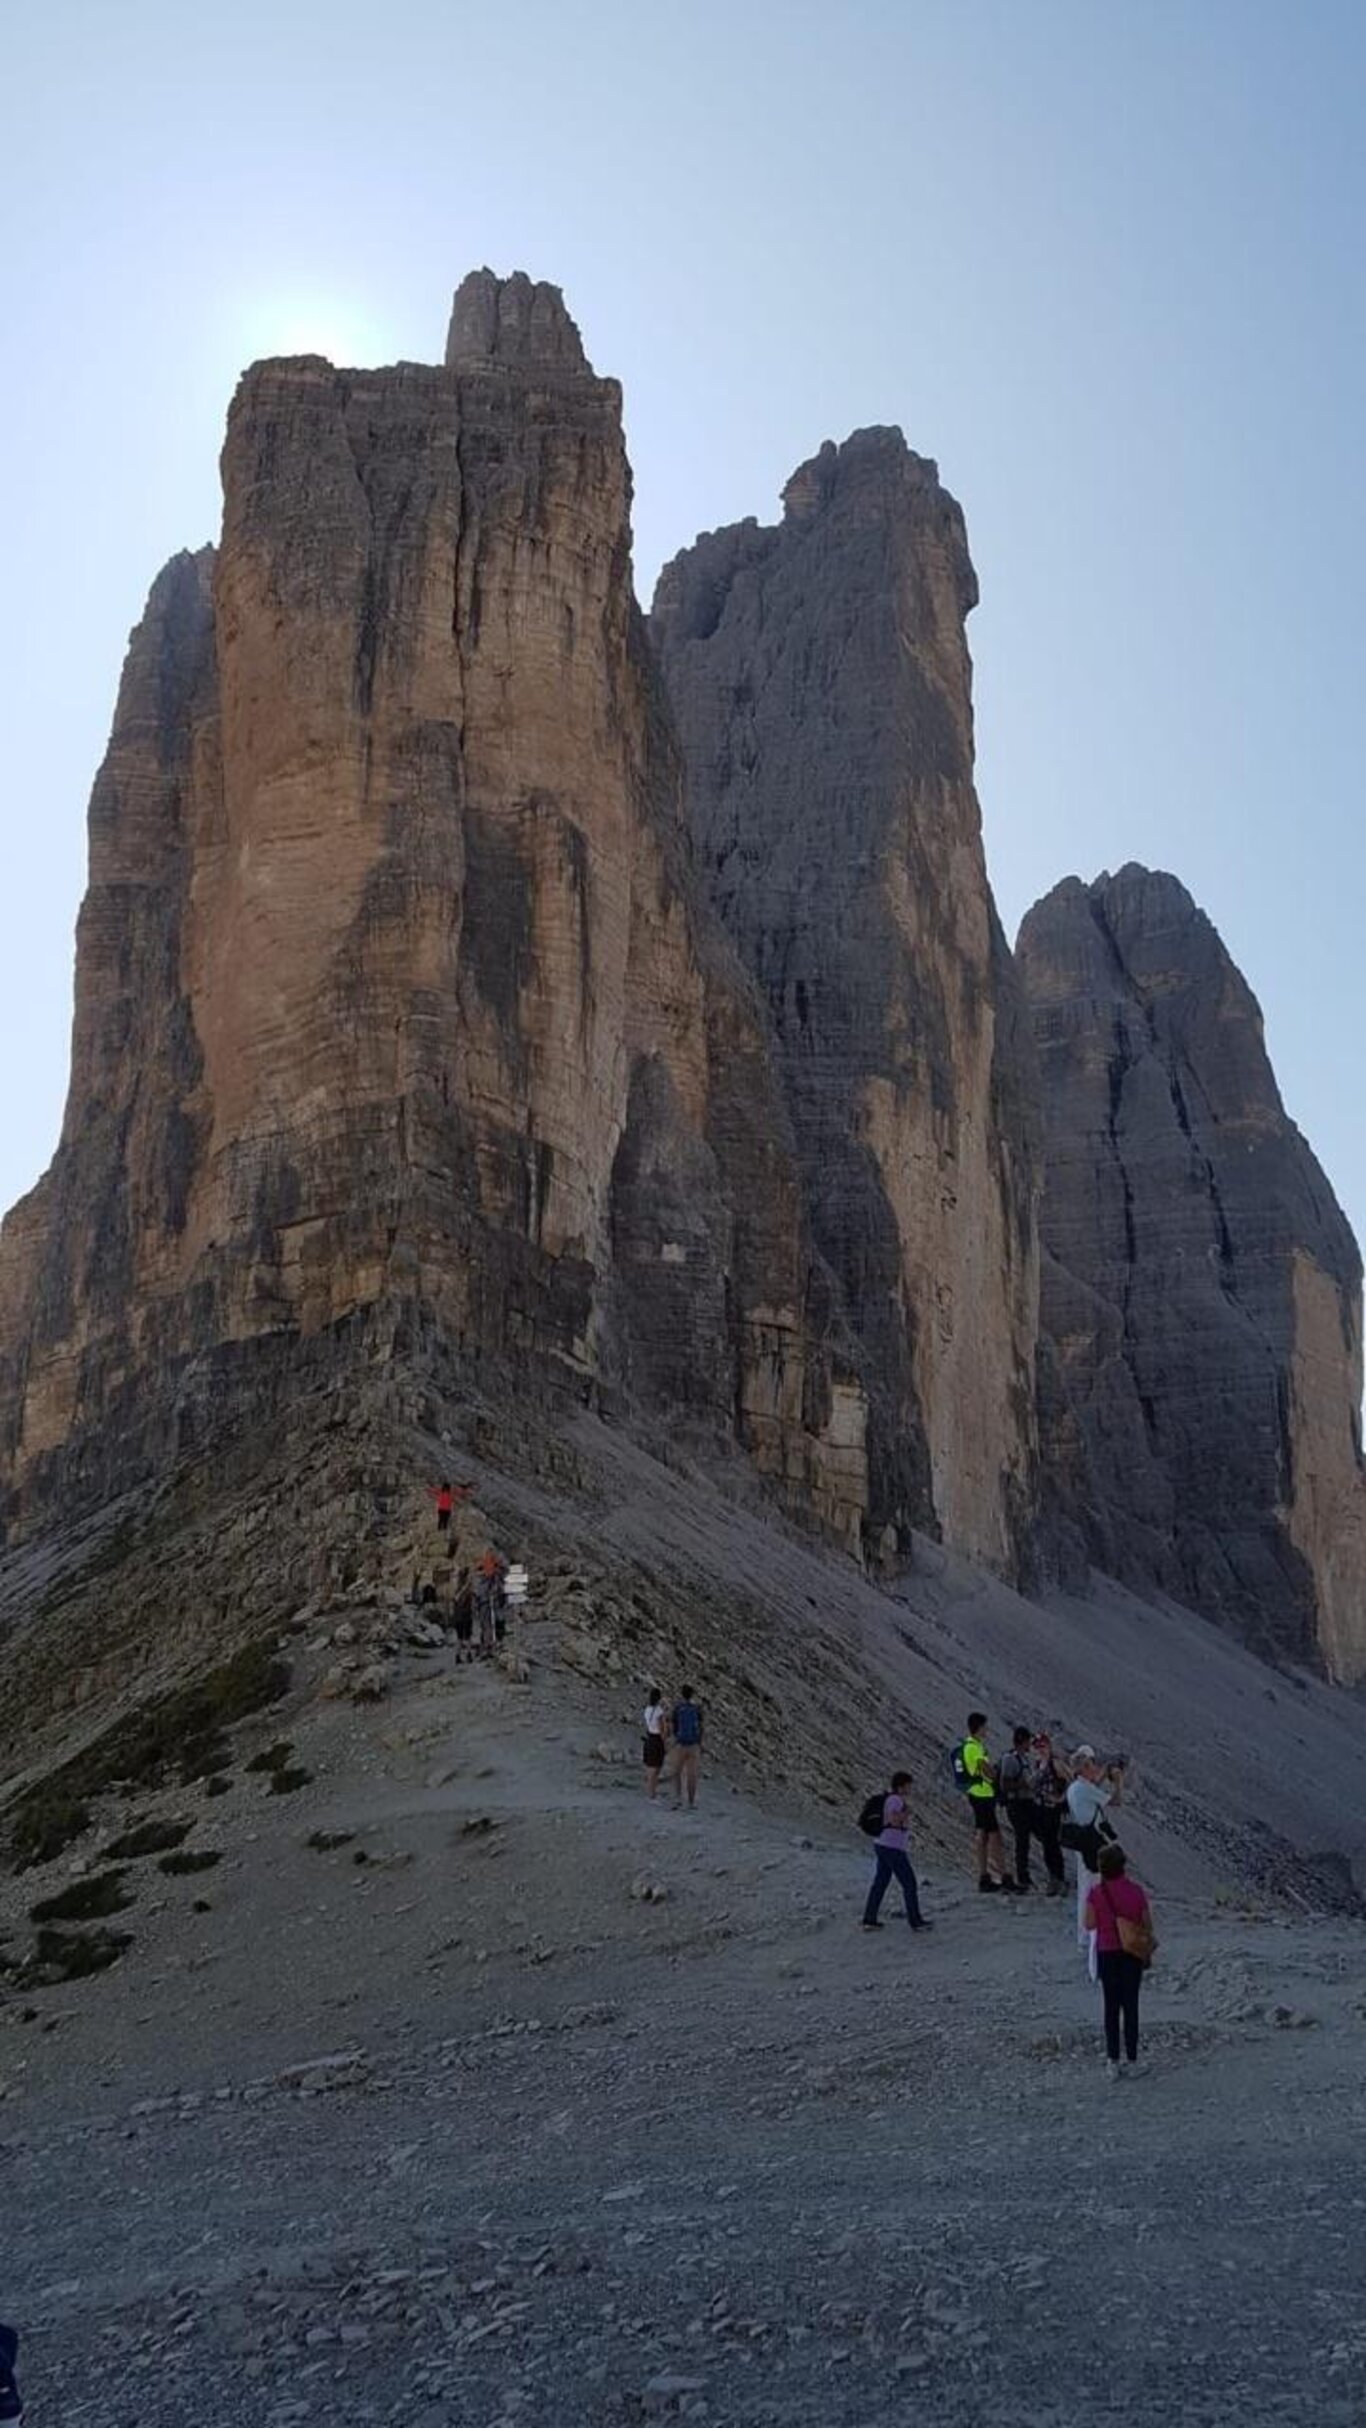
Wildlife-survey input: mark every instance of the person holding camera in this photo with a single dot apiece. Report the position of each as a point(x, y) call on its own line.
point(1094, 1793)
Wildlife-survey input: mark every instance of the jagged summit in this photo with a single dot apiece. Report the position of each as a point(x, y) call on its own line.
point(819, 680)
point(1201, 1301)
point(515, 322)
point(878, 451)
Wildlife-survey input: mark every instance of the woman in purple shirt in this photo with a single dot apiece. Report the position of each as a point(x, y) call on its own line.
point(892, 1860)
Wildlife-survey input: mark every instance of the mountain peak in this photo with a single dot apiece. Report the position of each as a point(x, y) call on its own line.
point(518, 322)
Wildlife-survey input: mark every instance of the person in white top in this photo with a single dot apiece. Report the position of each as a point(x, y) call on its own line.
point(1092, 1792)
point(656, 1724)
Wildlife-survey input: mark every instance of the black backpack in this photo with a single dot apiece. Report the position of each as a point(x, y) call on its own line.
point(870, 1819)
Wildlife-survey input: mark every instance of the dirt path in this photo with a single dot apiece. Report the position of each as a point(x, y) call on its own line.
point(474, 2134)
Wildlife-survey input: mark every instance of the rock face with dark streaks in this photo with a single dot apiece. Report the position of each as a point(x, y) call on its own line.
point(820, 682)
point(1201, 1367)
point(394, 1005)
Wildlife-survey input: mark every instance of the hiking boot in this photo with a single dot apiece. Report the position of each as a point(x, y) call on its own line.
point(1136, 2065)
point(1010, 1888)
point(922, 1925)
point(1112, 2069)
point(987, 1887)
point(870, 1926)
point(1056, 1888)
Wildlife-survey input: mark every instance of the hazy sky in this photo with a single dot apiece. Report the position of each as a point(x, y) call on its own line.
point(1102, 258)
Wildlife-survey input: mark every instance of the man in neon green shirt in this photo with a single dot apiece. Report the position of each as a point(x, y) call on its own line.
point(991, 1854)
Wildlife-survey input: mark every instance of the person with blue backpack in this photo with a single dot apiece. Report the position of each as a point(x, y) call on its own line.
point(685, 1729)
point(11, 2401)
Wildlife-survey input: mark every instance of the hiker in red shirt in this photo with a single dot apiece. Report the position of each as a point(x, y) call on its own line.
point(445, 1497)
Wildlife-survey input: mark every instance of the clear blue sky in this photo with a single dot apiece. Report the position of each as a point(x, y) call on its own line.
point(1102, 258)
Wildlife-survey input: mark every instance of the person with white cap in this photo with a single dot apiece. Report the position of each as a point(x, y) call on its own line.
point(1091, 1795)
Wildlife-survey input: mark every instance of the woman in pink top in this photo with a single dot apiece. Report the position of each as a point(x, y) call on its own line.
point(1115, 1898)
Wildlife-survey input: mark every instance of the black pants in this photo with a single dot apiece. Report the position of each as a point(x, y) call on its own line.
point(894, 1864)
point(1047, 1823)
point(1041, 1821)
point(1121, 1979)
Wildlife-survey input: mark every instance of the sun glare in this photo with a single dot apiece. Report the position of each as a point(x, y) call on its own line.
point(276, 325)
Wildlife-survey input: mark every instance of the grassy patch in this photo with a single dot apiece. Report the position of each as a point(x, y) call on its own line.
point(323, 1841)
point(85, 1900)
point(149, 1838)
point(287, 1782)
point(203, 1758)
point(180, 1735)
point(271, 1757)
point(201, 1860)
point(72, 1956)
point(46, 1821)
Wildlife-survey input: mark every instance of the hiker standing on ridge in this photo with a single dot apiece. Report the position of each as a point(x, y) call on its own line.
point(893, 1861)
point(685, 1727)
point(445, 1497)
point(981, 1792)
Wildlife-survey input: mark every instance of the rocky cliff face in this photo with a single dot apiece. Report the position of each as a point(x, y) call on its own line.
point(1201, 1300)
point(820, 682)
point(468, 979)
point(391, 995)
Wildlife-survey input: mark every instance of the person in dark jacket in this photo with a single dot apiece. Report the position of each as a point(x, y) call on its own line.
point(1016, 1785)
point(11, 2402)
point(685, 1732)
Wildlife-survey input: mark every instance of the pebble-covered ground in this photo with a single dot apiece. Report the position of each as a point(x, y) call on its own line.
point(560, 2109)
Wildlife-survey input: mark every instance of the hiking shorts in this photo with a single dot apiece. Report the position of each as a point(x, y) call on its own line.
point(984, 1813)
point(654, 1753)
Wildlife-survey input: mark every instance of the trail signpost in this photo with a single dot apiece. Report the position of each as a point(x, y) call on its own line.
point(516, 1587)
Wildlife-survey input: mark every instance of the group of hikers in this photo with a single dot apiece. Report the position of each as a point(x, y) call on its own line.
point(672, 1745)
point(1053, 1803)
point(1059, 1806)
point(471, 1598)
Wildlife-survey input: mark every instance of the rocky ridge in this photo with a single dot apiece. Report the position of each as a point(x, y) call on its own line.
point(480, 988)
